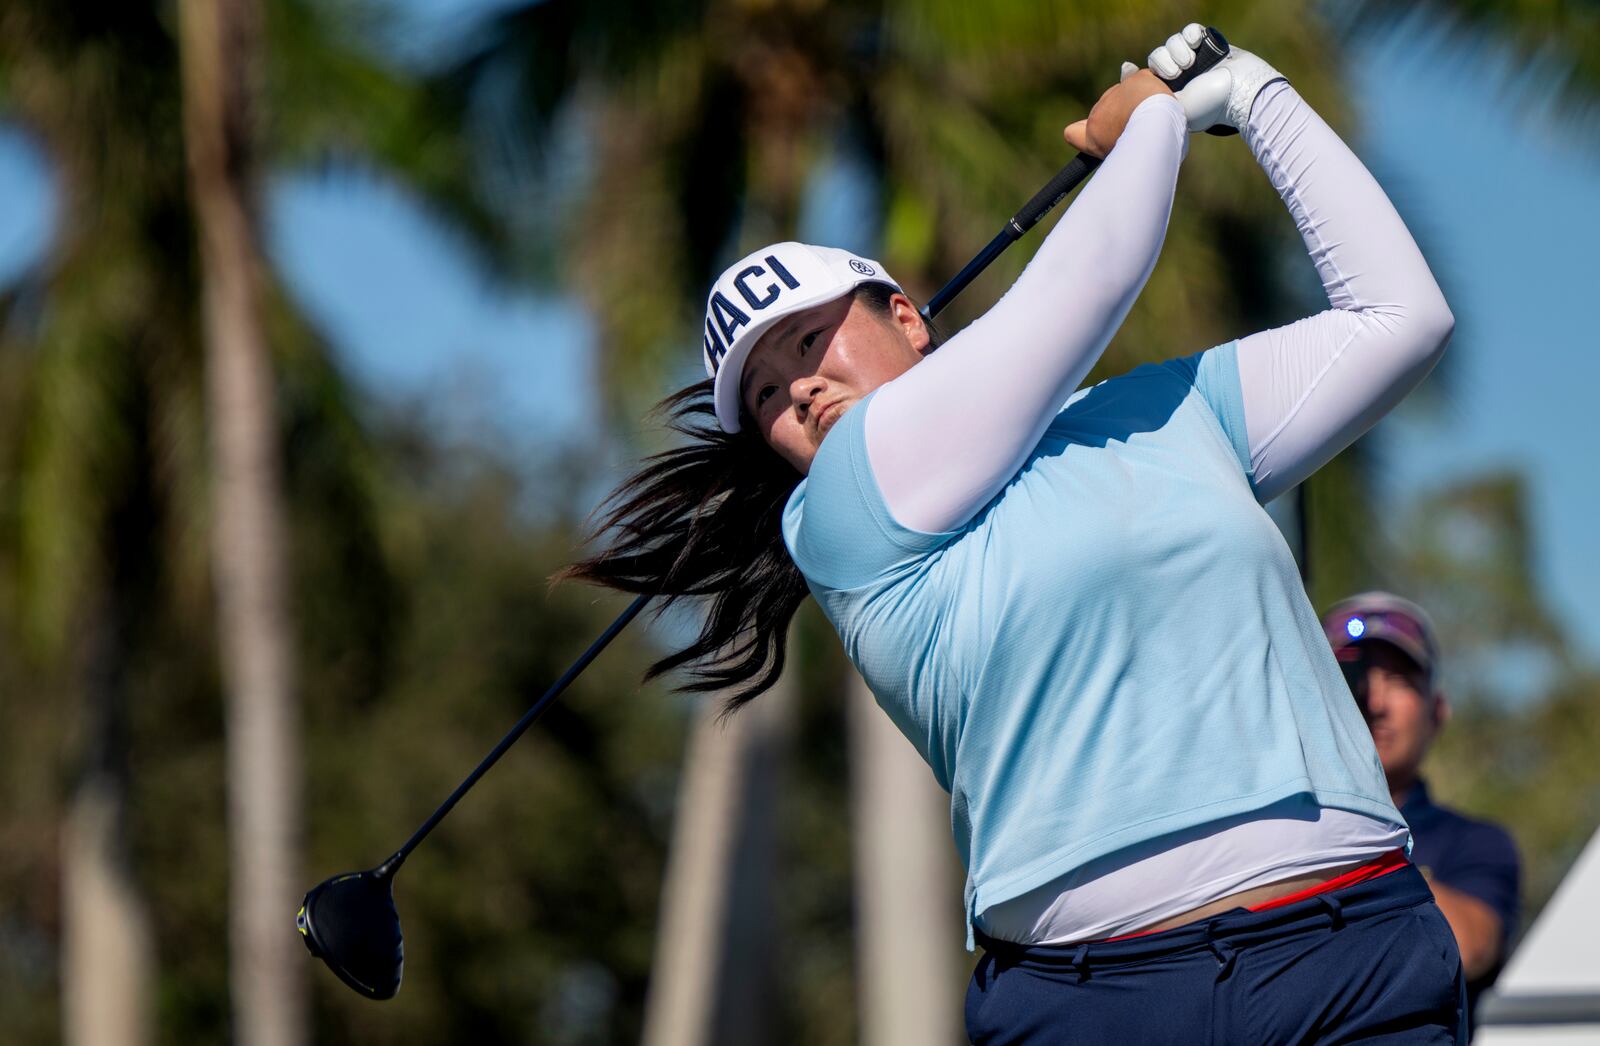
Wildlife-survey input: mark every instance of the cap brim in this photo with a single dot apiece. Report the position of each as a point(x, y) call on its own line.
point(725, 390)
point(1401, 642)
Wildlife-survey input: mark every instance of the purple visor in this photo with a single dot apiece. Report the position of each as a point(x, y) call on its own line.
point(1381, 616)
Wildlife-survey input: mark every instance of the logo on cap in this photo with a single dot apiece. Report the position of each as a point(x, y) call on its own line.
point(724, 318)
point(862, 267)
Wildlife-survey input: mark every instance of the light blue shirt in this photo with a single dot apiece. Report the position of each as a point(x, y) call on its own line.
point(1116, 647)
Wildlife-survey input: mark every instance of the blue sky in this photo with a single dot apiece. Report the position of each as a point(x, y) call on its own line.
point(1505, 205)
point(414, 317)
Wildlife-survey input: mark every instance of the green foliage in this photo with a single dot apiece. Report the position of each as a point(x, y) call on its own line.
point(1530, 768)
point(407, 669)
point(31, 736)
point(104, 368)
point(542, 885)
point(818, 984)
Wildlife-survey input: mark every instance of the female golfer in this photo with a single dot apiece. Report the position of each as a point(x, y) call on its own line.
point(1174, 823)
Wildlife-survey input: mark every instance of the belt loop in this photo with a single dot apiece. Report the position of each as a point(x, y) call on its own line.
point(1225, 954)
point(1222, 951)
point(1080, 962)
point(1335, 911)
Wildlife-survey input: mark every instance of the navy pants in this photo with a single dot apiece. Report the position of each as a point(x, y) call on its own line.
point(1371, 963)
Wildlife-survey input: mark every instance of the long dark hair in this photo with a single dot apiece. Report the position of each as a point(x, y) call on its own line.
point(705, 520)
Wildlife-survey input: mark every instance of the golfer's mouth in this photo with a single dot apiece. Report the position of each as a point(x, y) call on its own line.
point(829, 415)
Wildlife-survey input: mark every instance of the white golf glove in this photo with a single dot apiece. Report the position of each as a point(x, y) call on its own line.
point(1221, 96)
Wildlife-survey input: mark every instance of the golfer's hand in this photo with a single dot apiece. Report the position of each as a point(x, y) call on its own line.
point(1219, 99)
point(1100, 131)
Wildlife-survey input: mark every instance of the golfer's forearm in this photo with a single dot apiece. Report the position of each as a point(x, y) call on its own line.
point(1313, 387)
point(979, 404)
point(1366, 258)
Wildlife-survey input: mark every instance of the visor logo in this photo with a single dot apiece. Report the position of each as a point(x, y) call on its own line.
point(862, 267)
point(724, 318)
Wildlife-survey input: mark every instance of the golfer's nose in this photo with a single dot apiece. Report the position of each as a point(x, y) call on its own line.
point(802, 391)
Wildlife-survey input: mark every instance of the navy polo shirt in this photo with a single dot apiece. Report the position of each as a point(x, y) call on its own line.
point(1475, 857)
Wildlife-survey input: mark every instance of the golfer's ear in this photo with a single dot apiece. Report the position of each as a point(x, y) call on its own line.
point(1442, 709)
point(910, 320)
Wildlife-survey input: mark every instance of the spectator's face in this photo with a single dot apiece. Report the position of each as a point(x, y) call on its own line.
point(1402, 712)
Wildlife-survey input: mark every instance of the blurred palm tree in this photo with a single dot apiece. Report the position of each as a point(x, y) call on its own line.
point(220, 50)
point(104, 450)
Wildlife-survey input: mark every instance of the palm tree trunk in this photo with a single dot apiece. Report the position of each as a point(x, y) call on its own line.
point(220, 48)
point(108, 953)
point(714, 970)
point(908, 903)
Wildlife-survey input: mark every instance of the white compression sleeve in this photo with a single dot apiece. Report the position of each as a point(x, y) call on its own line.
point(1311, 388)
point(945, 436)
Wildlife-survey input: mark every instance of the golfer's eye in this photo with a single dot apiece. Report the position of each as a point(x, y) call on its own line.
point(809, 340)
point(764, 393)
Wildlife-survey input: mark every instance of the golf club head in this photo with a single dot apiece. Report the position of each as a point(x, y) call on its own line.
point(350, 923)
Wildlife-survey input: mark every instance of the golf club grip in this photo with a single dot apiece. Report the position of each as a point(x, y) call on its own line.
point(1212, 48)
point(1066, 180)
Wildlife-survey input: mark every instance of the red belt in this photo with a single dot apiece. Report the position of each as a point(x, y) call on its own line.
point(1392, 861)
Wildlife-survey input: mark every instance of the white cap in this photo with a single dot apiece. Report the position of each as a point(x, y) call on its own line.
point(763, 287)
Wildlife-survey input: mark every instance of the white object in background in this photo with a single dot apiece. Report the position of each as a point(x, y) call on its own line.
point(1549, 993)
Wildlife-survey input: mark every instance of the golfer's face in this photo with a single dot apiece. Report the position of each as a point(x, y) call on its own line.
point(813, 366)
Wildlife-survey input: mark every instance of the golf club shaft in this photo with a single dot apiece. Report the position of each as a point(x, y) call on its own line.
point(1066, 180)
point(1213, 50)
point(601, 642)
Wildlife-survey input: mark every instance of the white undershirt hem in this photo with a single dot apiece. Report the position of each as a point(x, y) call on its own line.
point(1124, 893)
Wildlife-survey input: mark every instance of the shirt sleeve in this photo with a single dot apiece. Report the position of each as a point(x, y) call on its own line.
point(1310, 389)
point(944, 437)
point(1215, 376)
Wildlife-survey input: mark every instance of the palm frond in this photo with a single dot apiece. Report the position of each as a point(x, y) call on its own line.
point(1546, 56)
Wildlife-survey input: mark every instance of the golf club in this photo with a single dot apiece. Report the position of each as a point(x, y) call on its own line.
point(350, 921)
